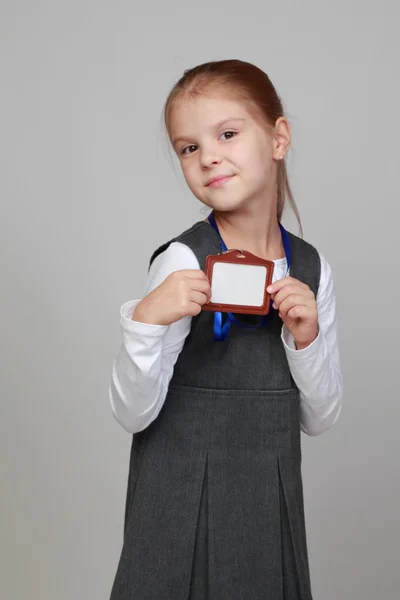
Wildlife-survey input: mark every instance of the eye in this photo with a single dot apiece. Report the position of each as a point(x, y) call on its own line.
point(230, 134)
point(190, 148)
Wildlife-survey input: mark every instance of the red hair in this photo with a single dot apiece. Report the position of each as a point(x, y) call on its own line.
point(246, 82)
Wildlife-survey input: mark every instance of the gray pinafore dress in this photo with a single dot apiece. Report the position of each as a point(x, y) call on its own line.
point(214, 507)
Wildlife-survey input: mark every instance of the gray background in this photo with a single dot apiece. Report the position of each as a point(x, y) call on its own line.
point(88, 191)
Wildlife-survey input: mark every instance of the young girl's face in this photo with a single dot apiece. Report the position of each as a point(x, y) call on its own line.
point(216, 138)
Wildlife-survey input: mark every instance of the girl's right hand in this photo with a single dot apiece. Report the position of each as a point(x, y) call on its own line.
point(181, 294)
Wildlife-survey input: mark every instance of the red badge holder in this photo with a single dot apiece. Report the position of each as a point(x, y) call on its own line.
point(239, 282)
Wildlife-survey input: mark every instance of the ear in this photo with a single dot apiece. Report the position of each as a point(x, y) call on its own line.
point(282, 138)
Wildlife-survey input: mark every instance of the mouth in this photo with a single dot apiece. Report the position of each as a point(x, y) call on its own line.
point(219, 180)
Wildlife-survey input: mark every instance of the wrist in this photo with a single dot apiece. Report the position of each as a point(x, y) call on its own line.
point(142, 316)
point(304, 343)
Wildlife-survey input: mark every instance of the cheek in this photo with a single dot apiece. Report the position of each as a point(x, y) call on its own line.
point(189, 172)
point(251, 164)
point(257, 161)
point(250, 152)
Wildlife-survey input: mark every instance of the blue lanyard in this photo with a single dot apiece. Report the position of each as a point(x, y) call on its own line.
point(221, 329)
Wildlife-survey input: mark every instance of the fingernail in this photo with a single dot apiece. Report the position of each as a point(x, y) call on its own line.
point(269, 289)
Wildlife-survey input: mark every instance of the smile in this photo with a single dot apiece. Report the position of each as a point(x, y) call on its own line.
point(219, 181)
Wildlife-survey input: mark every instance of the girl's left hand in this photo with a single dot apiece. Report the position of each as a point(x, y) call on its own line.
point(297, 308)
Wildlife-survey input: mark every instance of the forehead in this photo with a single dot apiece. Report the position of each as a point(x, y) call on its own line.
point(190, 114)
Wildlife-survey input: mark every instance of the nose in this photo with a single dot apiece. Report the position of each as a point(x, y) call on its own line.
point(209, 157)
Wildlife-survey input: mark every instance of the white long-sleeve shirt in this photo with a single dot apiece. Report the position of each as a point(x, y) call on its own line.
point(145, 362)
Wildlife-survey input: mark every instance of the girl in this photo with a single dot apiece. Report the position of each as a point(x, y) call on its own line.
point(214, 505)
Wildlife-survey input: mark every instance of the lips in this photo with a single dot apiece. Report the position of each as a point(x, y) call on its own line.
point(218, 180)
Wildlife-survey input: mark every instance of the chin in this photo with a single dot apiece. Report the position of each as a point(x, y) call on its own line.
point(221, 202)
point(224, 204)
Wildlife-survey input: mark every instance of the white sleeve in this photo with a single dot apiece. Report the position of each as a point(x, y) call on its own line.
point(145, 362)
point(316, 369)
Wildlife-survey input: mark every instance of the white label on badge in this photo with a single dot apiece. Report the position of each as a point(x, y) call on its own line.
point(243, 285)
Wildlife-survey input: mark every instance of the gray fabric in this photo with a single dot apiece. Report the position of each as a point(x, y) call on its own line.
point(214, 506)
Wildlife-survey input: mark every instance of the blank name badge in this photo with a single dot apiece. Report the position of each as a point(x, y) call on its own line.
point(239, 282)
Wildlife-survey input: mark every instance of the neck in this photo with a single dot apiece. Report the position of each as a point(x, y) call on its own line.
point(257, 232)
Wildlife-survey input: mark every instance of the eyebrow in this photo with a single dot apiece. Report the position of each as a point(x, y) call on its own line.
point(216, 126)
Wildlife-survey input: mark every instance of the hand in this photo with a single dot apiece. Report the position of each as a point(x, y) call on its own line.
point(181, 294)
point(297, 308)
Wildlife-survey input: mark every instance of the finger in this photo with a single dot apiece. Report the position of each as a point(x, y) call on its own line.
point(193, 274)
point(194, 309)
point(290, 302)
point(198, 297)
point(281, 283)
point(201, 286)
point(291, 290)
point(299, 312)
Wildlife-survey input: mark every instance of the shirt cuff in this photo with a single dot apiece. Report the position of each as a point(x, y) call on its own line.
point(290, 345)
point(147, 329)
